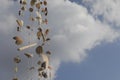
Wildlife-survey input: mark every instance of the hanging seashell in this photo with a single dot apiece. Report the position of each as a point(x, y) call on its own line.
point(45, 2)
point(39, 34)
point(23, 8)
point(16, 38)
point(19, 13)
point(19, 41)
point(24, 2)
point(44, 74)
point(43, 65)
point(39, 50)
point(38, 15)
point(31, 9)
point(17, 59)
point(20, 22)
point(38, 5)
point(46, 9)
point(46, 32)
point(46, 13)
point(32, 2)
point(26, 47)
point(28, 55)
point(20, 1)
point(42, 10)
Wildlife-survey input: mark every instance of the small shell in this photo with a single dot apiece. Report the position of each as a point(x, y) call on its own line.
point(45, 2)
point(20, 1)
point(28, 55)
point(23, 8)
point(44, 74)
point(19, 41)
point(46, 32)
point(46, 9)
point(39, 35)
point(39, 50)
point(20, 22)
point(38, 5)
point(33, 2)
point(31, 9)
point(24, 2)
point(17, 59)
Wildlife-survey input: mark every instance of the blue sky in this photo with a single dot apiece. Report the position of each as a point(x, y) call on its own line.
point(84, 39)
point(102, 63)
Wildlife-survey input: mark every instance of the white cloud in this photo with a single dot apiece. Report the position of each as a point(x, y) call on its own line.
point(109, 9)
point(73, 30)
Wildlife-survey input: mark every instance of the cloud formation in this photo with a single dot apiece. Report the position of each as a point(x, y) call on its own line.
point(74, 30)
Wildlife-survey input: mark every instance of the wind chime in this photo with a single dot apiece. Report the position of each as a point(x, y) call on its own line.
point(38, 12)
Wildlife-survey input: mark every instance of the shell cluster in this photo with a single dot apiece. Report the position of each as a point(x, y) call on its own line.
point(37, 11)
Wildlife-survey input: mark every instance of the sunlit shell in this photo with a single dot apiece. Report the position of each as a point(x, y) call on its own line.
point(28, 55)
point(24, 2)
point(38, 5)
point(20, 22)
point(39, 35)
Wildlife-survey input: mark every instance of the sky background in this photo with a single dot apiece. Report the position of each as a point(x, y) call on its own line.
point(85, 39)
